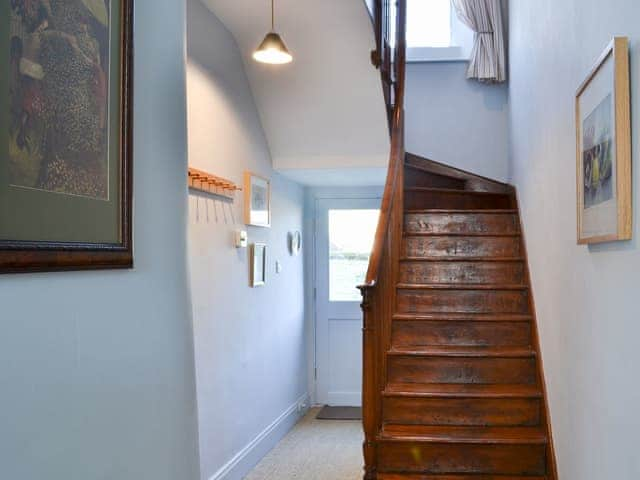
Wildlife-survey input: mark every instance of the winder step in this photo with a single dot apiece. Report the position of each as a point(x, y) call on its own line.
point(453, 191)
point(418, 197)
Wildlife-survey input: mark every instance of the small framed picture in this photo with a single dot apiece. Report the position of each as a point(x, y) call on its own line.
point(603, 131)
point(257, 200)
point(258, 274)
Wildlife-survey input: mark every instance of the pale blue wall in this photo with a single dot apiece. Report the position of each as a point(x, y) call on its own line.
point(251, 355)
point(587, 297)
point(457, 121)
point(96, 368)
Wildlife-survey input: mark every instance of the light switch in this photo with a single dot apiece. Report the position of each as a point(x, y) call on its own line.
point(241, 238)
point(278, 267)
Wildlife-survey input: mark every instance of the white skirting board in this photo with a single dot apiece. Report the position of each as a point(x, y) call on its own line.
point(247, 458)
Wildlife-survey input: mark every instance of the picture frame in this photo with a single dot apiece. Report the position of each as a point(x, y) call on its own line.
point(66, 145)
point(258, 267)
point(603, 149)
point(257, 200)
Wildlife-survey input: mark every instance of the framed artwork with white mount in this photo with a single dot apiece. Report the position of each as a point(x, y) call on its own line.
point(257, 200)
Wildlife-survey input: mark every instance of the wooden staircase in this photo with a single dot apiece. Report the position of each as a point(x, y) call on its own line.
point(461, 392)
point(453, 385)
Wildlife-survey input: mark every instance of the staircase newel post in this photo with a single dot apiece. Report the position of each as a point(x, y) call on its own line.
point(369, 383)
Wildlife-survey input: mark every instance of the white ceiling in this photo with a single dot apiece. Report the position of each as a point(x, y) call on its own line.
point(324, 111)
point(337, 177)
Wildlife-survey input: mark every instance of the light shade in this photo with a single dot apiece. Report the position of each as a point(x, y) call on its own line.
point(272, 50)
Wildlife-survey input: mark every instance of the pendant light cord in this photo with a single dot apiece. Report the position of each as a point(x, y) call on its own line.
point(273, 17)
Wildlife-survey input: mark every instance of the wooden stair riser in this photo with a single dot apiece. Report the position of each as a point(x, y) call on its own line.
point(480, 370)
point(419, 476)
point(451, 272)
point(472, 333)
point(418, 198)
point(461, 458)
point(462, 411)
point(462, 223)
point(462, 301)
point(444, 246)
point(419, 178)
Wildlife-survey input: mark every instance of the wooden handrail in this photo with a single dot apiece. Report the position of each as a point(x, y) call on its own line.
point(396, 161)
point(392, 60)
point(378, 290)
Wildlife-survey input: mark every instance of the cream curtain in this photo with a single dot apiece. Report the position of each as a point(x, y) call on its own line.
point(488, 57)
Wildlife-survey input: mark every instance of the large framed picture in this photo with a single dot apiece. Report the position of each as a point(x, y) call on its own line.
point(65, 134)
point(603, 127)
point(257, 200)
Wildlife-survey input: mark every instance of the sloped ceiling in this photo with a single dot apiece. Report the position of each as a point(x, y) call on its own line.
point(324, 112)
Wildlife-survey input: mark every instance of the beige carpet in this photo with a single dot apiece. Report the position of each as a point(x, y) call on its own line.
point(315, 450)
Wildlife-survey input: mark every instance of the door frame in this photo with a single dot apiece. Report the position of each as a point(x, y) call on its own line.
point(314, 196)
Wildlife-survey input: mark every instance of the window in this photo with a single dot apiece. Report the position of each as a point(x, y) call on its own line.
point(434, 32)
point(429, 23)
point(351, 234)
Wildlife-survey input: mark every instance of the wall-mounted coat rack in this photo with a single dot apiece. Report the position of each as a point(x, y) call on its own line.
point(208, 183)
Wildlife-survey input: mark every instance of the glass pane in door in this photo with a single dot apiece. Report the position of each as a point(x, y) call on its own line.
point(351, 235)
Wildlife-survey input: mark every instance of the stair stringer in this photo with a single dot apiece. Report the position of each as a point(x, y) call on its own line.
point(552, 466)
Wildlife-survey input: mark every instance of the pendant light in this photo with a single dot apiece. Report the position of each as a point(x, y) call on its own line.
point(272, 49)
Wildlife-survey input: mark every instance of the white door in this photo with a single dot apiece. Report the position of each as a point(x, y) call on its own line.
point(345, 230)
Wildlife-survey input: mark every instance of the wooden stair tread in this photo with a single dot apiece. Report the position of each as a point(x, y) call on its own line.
point(462, 351)
point(458, 434)
point(461, 390)
point(446, 211)
point(446, 235)
point(455, 191)
point(463, 317)
point(420, 476)
point(460, 258)
point(460, 286)
point(459, 234)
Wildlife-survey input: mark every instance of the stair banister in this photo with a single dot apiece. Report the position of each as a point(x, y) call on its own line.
point(396, 123)
point(453, 384)
point(378, 290)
